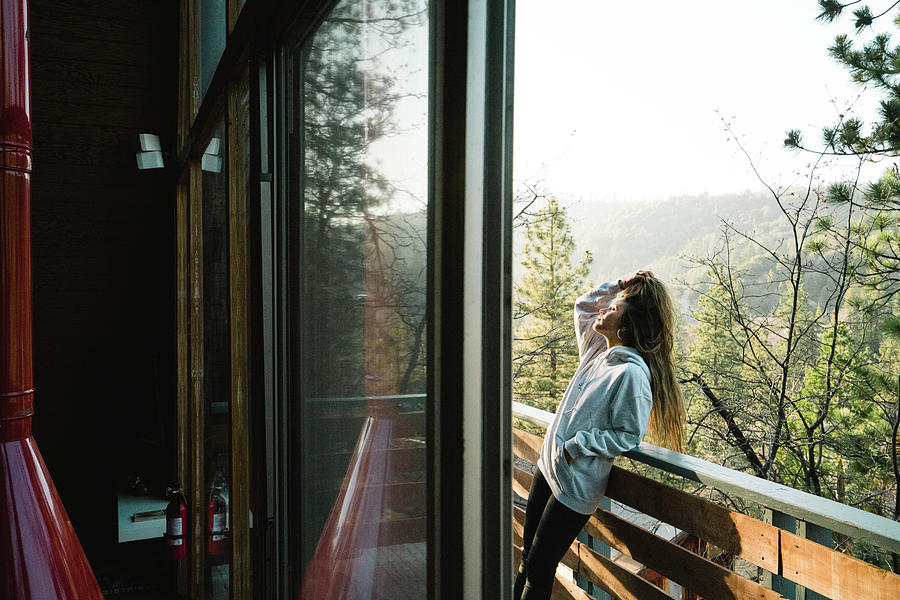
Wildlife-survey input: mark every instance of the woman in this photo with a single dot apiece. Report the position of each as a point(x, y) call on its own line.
point(624, 385)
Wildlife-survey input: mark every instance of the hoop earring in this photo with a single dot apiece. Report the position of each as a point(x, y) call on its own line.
point(619, 334)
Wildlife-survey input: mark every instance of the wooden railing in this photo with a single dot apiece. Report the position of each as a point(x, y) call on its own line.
point(794, 565)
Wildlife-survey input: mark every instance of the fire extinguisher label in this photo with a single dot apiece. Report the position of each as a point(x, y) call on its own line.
point(218, 527)
point(173, 526)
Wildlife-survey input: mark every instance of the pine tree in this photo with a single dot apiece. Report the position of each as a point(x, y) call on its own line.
point(876, 234)
point(714, 368)
point(545, 351)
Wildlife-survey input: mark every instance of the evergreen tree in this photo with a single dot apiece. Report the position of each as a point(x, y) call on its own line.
point(544, 349)
point(853, 436)
point(876, 234)
point(714, 364)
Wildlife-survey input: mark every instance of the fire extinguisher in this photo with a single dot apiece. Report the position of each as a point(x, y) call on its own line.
point(176, 524)
point(216, 519)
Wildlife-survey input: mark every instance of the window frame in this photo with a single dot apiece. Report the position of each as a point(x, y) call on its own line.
point(471, 188)
point(469, 320)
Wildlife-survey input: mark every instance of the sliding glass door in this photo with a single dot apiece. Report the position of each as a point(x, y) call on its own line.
point(387, 245)
point(357, 174)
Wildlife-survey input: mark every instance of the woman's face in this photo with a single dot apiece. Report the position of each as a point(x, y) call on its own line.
point(610, 319)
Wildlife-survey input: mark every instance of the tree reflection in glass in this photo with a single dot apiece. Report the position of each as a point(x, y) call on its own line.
point(359, 171)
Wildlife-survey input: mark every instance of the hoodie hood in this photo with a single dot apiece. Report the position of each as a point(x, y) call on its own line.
point(627, 354)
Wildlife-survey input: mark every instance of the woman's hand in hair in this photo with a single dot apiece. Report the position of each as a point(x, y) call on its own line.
point(637, 275)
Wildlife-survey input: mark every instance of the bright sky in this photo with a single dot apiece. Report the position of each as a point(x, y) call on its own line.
point(619, 100)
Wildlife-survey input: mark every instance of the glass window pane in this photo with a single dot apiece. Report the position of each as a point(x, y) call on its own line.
point(216, 366)
point(357, 191)
point(213, 33)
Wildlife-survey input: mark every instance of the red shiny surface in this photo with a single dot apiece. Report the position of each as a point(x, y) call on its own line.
point(40, 555)
point(177, 526)
point(15, 429)
point(16, 371)
point(345, 565)
point(216, 509)
point(15, 104)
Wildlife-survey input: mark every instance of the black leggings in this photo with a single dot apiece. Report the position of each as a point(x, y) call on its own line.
point(550, 527)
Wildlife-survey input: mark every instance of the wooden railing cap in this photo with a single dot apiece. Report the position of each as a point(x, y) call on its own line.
point(832, 515)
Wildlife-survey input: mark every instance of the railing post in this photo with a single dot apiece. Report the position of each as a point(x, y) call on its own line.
point(602, 549)
point(820, 535)
point(774, 581)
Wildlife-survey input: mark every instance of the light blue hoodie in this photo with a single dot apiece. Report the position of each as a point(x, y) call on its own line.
point(603, 413)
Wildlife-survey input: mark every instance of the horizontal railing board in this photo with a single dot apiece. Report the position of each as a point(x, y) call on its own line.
point(690, 570)
point(674, 562)
point(731, 531)
point(594, 567)
point(521, 482)
point(562, 589)
point(597, 569)
point(833, 574)
point(568, 590)
point(674, 554)
point(613, 578)
point(526, 445)
point(832, 515)
point(532, 415)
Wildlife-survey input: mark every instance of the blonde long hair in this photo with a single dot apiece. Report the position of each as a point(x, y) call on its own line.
point(649, 327)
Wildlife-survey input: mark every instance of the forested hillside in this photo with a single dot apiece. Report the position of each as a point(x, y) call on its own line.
point(785, 353)
point(625, 236)
point(669, 236)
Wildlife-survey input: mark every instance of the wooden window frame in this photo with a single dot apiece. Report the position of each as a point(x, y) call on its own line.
point(196, 117)
point(470, 203)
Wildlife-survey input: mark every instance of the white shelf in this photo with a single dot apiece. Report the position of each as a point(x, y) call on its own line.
point(130, 531)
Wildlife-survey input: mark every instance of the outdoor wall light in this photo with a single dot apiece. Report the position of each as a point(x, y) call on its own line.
point(212, 160)
point(150, 155)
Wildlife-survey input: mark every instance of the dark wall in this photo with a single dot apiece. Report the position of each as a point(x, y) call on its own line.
point(102, 250)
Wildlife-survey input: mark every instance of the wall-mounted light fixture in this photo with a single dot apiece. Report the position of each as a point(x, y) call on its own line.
point(150, 155)
point(212, 159)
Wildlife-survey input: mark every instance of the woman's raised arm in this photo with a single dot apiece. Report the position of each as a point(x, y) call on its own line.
point(587, 308)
